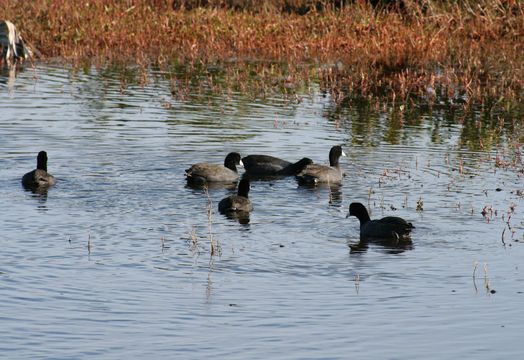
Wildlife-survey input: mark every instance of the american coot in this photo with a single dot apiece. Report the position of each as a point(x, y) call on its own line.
point(39, 177)
point(266, 165)
point(390, 227)
point(316, 173)
point(239, 202)
point(201, 173)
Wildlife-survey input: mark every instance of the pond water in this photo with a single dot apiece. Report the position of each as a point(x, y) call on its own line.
point(114, 261)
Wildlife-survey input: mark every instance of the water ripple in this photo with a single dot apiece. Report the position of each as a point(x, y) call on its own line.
point(115, 260)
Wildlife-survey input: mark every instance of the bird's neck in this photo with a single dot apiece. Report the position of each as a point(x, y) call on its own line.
point(364, 219)
point(230, 166)
point(42, 165)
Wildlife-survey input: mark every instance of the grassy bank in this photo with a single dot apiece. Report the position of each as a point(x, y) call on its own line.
point(473, 50)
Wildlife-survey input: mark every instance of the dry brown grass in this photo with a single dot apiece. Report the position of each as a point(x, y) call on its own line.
point(472, 51)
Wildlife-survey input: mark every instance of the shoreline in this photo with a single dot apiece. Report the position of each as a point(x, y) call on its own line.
point(443, 49)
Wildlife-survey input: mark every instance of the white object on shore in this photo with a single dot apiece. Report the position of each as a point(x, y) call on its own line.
point(12, 44)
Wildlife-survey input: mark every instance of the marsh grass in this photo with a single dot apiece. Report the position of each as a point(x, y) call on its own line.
point(467, 51)
point(487, 282)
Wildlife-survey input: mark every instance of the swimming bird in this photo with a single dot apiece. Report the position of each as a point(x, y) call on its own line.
point(201, 173)
point(389, 227)
point(239, 202)
point(266, 165)
point(316, 173)
point(39, 177)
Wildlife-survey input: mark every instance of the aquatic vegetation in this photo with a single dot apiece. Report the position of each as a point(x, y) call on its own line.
point(89, 245)
point(163, 243)
point(215, 248)
point(487, 283)
point(466, 52)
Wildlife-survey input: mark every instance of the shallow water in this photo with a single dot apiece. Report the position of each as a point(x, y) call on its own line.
point(293, 282)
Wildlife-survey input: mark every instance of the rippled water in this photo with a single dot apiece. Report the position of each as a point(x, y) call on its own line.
point(293, 282)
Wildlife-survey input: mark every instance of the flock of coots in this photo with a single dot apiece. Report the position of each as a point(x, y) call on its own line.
point(260, 167)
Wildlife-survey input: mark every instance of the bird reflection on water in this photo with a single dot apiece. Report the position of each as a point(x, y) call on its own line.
point(391, 246)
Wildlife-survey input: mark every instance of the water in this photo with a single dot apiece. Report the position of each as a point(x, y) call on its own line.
point(293, 282)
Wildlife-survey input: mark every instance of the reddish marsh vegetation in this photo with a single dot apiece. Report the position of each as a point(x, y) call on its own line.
point(470, 50)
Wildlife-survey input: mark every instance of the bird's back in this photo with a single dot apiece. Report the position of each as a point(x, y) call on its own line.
point(211, 172)
point(264, 164)
point(38, 178)
point(316, 173)
point(388, 227)
point(235, 203)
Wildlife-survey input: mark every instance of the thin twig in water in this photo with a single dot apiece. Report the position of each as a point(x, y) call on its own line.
point(215, 247)
point(476, 264)
point(486, 279)
point(163, 242)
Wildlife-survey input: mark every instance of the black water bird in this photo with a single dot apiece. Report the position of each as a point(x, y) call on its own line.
point(39, 178)
point(266, 165)
point(315, 173)
point(239, 202)
point(202, 173)
point(389, 227)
